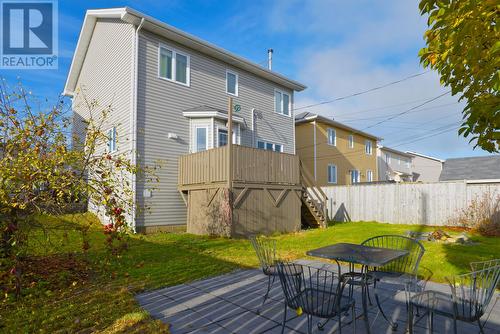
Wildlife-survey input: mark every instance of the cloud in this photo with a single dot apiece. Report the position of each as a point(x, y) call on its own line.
point(355, 46)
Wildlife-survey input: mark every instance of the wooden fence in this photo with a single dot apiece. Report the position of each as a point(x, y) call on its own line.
point(405, 203)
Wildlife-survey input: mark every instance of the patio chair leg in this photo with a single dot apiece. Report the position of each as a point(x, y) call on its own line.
point(269, 284)
point(321, 326)
point(284, 320)
point(394, 325)
point(410, 319)
point(431, 322)
point(354, 318)
point(309, 324)
point(340, 322)
point(481, 329)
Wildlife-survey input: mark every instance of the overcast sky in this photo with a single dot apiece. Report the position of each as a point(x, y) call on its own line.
point(336, 48)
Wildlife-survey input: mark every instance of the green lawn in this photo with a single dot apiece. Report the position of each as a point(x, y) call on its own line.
point(97, 295)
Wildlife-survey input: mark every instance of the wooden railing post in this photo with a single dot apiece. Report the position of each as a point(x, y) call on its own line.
point(230, 143)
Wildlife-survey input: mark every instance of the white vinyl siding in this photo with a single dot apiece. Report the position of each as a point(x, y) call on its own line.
point(351, 141)
point(282, 102)
point(332, 174)
point(173, 65)
point(368, 147)
point(332, 137)
point(231, 83)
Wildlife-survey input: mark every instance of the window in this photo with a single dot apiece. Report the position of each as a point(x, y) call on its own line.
point(282, 102)
point(351, 141)
point(222, 137)
point(408, 163)
point(354, 176)
point(112, 140)
point(269, 146)
point(201, 139)
point(173, 66)
point(399, 160)
point(369, 176)
point(388, 158)
point(332, 137)
point(332, 174)
point(368, 147)
point(231, 83)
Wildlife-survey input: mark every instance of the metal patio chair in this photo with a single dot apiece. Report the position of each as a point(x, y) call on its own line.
point(266, 253)
point(315, 292)
point(402, 271)
point(470, 296)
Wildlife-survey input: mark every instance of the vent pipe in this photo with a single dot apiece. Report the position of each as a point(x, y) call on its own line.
point(270, 59)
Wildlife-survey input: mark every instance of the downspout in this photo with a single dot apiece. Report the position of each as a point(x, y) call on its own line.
point(253, 127)
point(314, 142)
point(135, 73)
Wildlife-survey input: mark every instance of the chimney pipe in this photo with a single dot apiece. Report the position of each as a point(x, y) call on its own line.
point(270, 59)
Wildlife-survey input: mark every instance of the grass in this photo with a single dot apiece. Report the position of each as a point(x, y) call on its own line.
point(94, 293)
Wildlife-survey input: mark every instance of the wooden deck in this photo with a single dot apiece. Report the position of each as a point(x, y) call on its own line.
point(248, 191)
point(249, 166)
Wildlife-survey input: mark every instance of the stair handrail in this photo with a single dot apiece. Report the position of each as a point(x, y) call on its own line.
point(309, 183)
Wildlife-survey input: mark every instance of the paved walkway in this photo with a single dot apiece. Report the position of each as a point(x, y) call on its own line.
point(228, 304)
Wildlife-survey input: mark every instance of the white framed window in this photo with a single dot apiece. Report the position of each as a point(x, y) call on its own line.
point(231, 83)
point(408, 163)
point(332, 173)
point(269, 146)
point(355, 176)
point(399, 160)
point(351, 141)
point(368, 147)
point(112, 140)
point(332, 136)
point(282, 102)
point(173, 65)
point(388, 158)
point(369, 175)
point(201, 140)
point(222, 137)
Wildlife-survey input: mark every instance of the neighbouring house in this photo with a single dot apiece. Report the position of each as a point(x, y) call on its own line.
point(169, 93)
point(335, 153)
point(425, 168)
point(393, 165)
point(471, 169)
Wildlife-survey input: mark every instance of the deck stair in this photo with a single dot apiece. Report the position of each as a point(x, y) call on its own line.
point(314, 201)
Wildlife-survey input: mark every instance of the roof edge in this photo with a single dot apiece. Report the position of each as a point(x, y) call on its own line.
point(133, 16)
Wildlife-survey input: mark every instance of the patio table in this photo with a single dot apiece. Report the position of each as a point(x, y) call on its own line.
point(358, 254)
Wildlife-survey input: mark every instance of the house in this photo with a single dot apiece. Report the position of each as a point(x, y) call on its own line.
point(471, 169)
point(335, 153)
point(169, 92)
point(393, 165)
point(425, 168)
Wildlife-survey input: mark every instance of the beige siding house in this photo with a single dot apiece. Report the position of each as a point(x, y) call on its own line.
point(335, 153)
point(425, 168)
point(169, 92)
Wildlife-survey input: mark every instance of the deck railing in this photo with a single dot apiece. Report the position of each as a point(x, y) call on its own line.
point(250, 165)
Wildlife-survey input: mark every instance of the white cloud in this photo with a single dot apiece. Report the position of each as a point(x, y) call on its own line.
point(354, 46)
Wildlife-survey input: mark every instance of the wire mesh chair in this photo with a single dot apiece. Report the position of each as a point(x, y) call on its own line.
point(402, 271)
point(316, 292)
point(266, 253)
point(470, 296)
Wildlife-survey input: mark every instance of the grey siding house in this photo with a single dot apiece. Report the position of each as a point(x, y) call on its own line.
point(394, 165)
point(169, 94)
point(473, 169)
point(425, 168)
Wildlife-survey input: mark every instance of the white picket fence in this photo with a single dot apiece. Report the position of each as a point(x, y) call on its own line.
point(405, 203)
